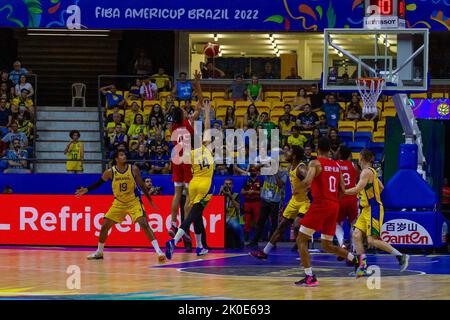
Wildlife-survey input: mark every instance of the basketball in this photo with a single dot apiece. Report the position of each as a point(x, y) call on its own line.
point(211, 49)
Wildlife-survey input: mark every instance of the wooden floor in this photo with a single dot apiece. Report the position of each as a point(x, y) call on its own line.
point(40, 273)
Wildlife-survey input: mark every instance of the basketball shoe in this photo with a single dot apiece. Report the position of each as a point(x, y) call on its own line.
point(95, 256)
point(259, 254)
point(403, 260)
point(201, 251)
point(170, 246)
point(308, 281)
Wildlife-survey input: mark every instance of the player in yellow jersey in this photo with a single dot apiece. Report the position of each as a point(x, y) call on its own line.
point(202, 163)
point(75, 153)
point(298, 204)
point(370, 220)
point(126, 178)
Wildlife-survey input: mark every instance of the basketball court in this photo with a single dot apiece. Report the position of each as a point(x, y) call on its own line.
point(40, 273)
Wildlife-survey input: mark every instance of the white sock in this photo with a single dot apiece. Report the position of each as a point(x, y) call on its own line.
point(198, 241)
point(179, 235)
point(340, 234)
point(174, 224)
point(100, 247)
point(268, 248)
point(308, 271)
point(156, 246)
point(395, 252)
point(350, 256)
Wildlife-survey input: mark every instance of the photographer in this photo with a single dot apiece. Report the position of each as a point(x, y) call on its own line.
point(153, 191)
point(232, 208)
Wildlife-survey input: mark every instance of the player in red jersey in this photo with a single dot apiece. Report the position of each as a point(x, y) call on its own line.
point(327, 185)
point(348, 206)
point(181, 172)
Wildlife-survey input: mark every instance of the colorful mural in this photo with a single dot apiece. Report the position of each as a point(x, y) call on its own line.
point(276, 15)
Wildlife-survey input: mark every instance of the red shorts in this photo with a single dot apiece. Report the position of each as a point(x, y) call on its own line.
point(181, 173)
point(348, 208)
point(322, 216)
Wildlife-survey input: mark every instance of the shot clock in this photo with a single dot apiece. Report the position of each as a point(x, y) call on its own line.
point(384, 14)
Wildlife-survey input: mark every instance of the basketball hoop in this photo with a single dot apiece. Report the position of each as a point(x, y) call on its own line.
point(370, 90)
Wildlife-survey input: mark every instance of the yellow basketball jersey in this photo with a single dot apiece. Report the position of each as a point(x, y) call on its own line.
point(124, 185)
point(370, 196)
point(298, 191)
point(202, 163)
point(74, 151)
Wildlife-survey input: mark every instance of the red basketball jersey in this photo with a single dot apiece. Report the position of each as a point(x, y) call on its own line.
point(326, 184)
point(349, 174)
point(182, 136)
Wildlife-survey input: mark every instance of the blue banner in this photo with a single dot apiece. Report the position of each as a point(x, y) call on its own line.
point(435, 109)
point(209, 15)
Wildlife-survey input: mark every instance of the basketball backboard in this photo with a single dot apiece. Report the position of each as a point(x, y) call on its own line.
point(399, 56)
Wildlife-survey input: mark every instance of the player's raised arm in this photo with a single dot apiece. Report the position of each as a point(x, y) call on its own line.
point(207, 122)
point(198, 89)
point(302, 171)
point(107, 175)
point(312, 170)
point(141, 184)
point(363, 180)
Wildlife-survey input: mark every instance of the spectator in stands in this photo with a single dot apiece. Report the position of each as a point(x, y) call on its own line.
point(268, 72)
point(162, 80)
point(24, 102)
point(333, 135)
point(293, 74)
point(157, 113)
point(308, 154)
point(17, 158)
point(18, 71)
point(230, 119)
point(5, 116)
point(14, 111)
point(137, 127)
point(154, 129)
point(353, 109)
point(159, 142)
point(117, 137)
point(152, 190)
point(8, 190)
point(4, 92)
point(183, 88)
point(255, 90)
point(301, 100)
point(314, 141)
point(135, 90)
point(117, 120)
point(160, 162)
point(143, 65)
point(284, 164)
point(232, 209)
point(25, 126)
point(209, 71)
point(296, 138)
point(332, 111)
point(75, 153)
point(15, 134)
point(149, 90)
point(251, 117)
point(308, 119)
point(23, 84)
point(112, 97)
point(323, 126)
point(141, 158)
point(110, 117)
point(10, 85)
point(252, 200)
point(238, 90)
point(131, 114)
point(286, 122)
point(317, 98)
point(266, 124)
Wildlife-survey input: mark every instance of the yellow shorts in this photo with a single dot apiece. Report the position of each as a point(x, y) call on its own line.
point(74, 166)
point(119, 210)
point(198, 190)
point(370, 220)
point(294, 208)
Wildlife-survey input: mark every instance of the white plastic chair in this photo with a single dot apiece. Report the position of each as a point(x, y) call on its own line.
point(78, 92)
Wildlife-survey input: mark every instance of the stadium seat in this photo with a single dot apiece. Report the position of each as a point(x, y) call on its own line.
point(289, 95)
point(385, 114)
point(365, 126)
point(346, 136)
point(275, 115)
point(296, 112)
point(378, 136)
point(355, 155)
point(242, 104)
point(207, 95)
point(389, 106)
point(419, 95)
point(320, 113)
point(365, 137)
point(263, 106)
point(437, 95)
point(346, 125)
point(376, 147)
point(277, 106)
point(357, 146)
point(272, 95)
point(216, 95)
point(381, 125)
point(150, 103)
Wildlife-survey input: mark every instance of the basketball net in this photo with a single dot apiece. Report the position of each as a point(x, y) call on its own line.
point(370, 90)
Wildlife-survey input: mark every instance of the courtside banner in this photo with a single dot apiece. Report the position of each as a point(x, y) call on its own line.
point(64, 220)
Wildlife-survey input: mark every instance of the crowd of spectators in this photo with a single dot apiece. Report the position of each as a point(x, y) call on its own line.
point(17, 113)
